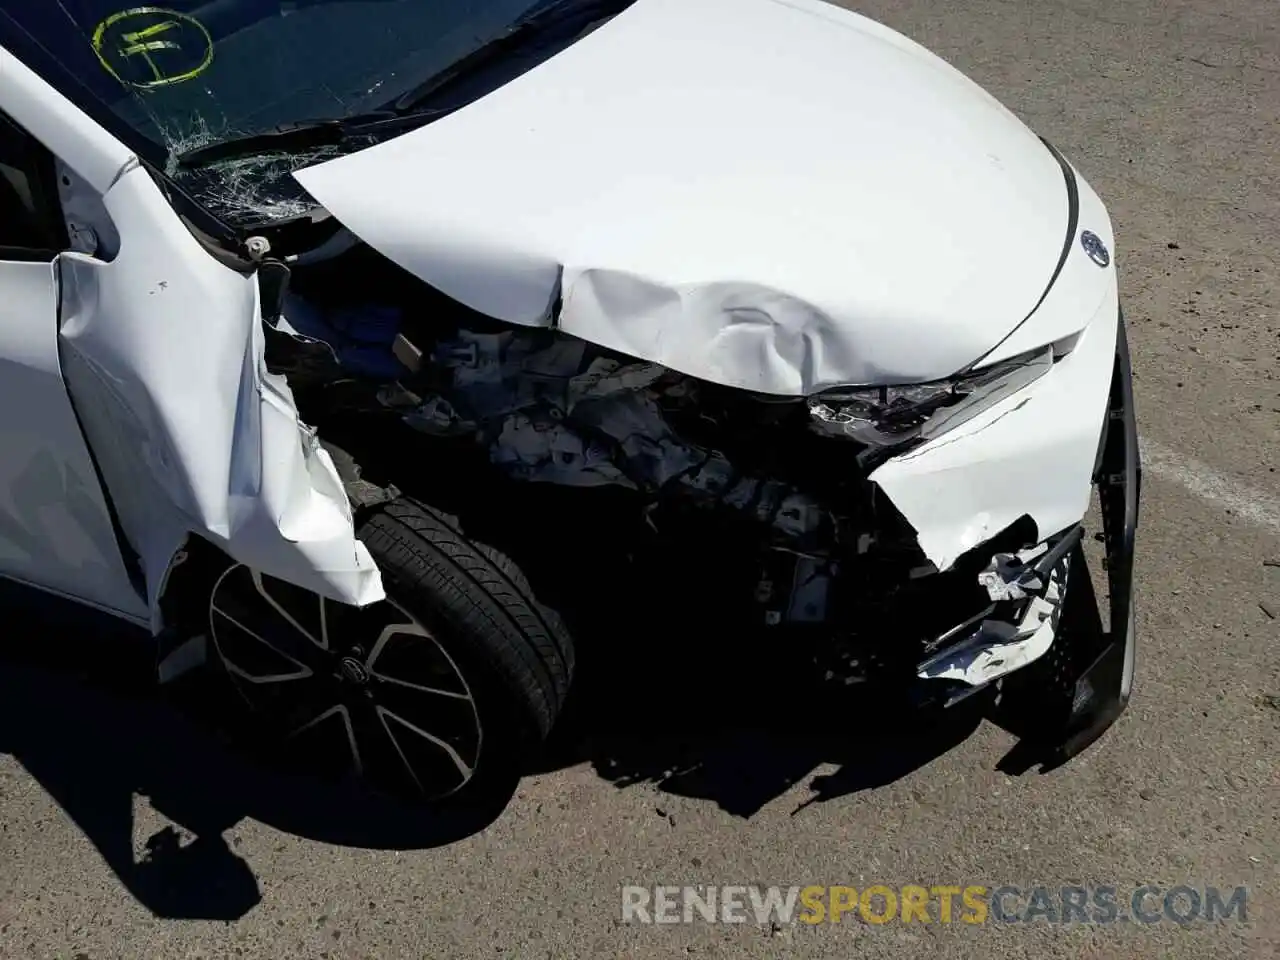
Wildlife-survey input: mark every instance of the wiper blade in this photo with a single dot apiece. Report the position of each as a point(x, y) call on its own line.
point(551, 20)
point(303, 135)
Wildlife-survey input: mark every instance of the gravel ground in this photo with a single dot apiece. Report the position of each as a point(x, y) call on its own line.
point(1169, 108)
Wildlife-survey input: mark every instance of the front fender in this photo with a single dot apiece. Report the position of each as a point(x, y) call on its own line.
point(162, 351)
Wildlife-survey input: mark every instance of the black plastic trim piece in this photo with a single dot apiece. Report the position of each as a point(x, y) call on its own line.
point(1103, 689)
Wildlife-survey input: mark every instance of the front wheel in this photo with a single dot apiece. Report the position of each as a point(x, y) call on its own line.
point(438, 693)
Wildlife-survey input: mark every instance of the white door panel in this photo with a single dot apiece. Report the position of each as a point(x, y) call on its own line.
point(55, 529)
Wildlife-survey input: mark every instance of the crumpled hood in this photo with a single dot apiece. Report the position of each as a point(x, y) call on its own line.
point(777, 195)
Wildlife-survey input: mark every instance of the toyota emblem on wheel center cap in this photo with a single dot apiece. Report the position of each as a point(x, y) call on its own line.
point(353, 671)
point(1095, 248)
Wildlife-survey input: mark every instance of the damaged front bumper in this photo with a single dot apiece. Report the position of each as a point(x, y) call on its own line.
point(952, 566)
point(1027, 591)
point(1043, 612)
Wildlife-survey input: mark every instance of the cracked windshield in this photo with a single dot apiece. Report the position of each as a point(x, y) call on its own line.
point(188, 76)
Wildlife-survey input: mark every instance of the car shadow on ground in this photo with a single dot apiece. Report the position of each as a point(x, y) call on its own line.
point(707, 717)
point(732, 721)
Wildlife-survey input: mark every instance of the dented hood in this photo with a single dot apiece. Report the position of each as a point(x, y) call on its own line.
point(778, 196)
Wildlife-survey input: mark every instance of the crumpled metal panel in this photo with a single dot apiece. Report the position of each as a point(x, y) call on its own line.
point(163, 354)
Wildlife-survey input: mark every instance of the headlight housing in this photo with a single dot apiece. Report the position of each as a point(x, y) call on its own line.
point(892, 416)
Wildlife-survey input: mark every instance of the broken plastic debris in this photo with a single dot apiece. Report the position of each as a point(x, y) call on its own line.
point(809, 592)
point(605, 376)
point(997, 647)
point(651, 454)
point(1010, 576)
point(495, 374)
point(798, 515)
point(436, 416)
point(407, 353)
point(397, 396)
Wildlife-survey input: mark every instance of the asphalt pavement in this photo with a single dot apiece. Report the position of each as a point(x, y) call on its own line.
point(128, 831)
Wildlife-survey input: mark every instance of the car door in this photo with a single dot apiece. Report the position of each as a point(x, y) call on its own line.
point(56, 528)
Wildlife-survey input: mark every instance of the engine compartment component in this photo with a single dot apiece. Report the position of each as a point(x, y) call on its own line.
point(779, 513)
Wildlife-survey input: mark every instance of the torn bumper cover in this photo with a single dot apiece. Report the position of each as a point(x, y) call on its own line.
point(1030, 453)
point(1033, 616)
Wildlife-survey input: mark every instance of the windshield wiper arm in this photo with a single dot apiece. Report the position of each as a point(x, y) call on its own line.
point(559, 15)
point(554, 19)
point(303, 135)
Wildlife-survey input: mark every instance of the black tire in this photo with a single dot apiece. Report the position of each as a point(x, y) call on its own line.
point(482, 604)
point(437, 695)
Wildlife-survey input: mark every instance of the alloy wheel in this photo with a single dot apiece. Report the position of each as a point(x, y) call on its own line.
point(368, 691)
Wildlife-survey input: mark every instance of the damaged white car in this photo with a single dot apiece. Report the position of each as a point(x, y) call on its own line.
point(313, 307)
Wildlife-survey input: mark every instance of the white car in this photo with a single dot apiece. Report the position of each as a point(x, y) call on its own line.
point(310, 307)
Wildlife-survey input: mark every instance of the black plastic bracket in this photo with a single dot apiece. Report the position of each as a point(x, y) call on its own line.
point(1103, 688)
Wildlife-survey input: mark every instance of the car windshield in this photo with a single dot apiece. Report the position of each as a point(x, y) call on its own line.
point(191, 73)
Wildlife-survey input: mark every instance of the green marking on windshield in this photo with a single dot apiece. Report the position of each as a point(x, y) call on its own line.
point(173, 47)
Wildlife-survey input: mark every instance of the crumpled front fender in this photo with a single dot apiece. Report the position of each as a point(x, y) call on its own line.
point(162, 351)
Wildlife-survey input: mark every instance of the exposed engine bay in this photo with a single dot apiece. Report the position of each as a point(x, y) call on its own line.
point(749, 502)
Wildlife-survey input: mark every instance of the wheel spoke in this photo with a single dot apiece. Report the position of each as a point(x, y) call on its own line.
point(313, 634)
point(339, 710)
point(433, 691)
point(386, 715)
point(324, 622)
point(240, 597)
point(376, 693)
point(435, 662)
point(450, 719)
point(221, 640)
point(408, 767)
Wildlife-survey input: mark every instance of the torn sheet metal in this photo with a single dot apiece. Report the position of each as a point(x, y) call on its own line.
point(762, 222)
point(162, 352)
point(994, 648)
point(1031, 453)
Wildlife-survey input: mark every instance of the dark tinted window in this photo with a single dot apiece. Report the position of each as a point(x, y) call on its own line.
point(30, 221)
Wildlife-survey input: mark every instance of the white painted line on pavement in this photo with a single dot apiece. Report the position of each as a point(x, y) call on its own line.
point(1208, 484)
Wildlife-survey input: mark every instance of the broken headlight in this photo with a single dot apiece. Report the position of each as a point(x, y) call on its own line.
point(890, 416)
